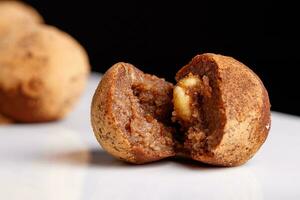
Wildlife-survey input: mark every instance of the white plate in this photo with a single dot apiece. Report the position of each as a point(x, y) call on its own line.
point(62, 160)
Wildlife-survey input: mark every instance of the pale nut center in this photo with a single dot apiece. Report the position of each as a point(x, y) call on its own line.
point(181, 97)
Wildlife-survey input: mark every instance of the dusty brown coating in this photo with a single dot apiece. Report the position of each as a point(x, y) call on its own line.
point(129, 114)
point(43, 71)
point(18, 12)
point(242, 105)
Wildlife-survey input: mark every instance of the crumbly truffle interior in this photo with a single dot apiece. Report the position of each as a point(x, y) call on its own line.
point(197, 109)
point(148, 125)
point(154, 97)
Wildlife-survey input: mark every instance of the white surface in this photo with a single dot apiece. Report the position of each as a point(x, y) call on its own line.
point(62, 160)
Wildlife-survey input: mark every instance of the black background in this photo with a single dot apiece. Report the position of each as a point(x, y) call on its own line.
point(159, 38)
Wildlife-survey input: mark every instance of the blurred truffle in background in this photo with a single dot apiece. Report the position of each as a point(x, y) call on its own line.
point(17, 11)
point(43, 70)
point(15, 16)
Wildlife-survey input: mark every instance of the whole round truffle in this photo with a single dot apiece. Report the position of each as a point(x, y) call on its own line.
point(43, 71)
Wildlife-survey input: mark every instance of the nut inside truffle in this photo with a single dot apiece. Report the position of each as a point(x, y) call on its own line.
point(196, 108)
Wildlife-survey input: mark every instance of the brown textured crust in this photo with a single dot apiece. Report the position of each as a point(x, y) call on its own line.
point(43, 71)
point(128, 112)
point(246, 107)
